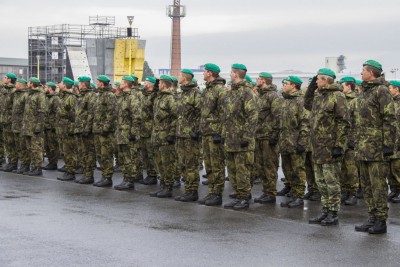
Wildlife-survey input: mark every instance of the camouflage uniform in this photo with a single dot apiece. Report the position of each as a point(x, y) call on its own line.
point(376, 131)
point(7, 99)
point(329, 125)
point(210, 125)
point(103, 127)
point(2, 151)
point(51, 144)
point(239, 127)
point(266, 158)
point(164, 126)
point(84, 113)
point(33, 125)
point(294, 135)
point(394, 177)
point(139, 161)
point(188, 134)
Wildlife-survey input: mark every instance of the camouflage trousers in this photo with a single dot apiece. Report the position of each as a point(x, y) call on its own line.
point(239, 169)
point(34, 144)
point(327, 177)
point(310, 175)
point(373, 182)
point(60, 140)
point(69, 155)
point(2, 153)
point(104, 153)
point(51, 146)
point(116, 154)
point(10, 144)
point(88, 154)
point(394, 177)
point(133, 146)
point(266, 163)
point(178, 168)
point(214, 160)
point(293, 167)
point(164, 156)
point(128, 167)
point(22, 149)
point(349, 173)
point(188, 155)
point(139, 161)
point(147, 154)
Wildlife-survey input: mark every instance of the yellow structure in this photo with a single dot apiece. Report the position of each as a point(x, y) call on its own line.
point(124, 49)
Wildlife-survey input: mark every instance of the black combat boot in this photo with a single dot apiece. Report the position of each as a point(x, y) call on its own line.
point(395, 200)
point(189, 196)
point(85, 180)
point(257, 199)
point(117, 168)
point(66, 177)
point(379, 227)
point(351, 201)
point(204, 199)
point(165, 193)
point(154, 194)
point(231, 204)
point(265, 199)
point(22, 169)
point(104, 182)
point(214, 200)
point(79, 170)
point(331, 219)
point(201, 166)
point(316, 196)
point(139, 178)
point(393, 194)
point(359, 193)
point(204, 176)
point(204, 182)
point(285, 204)
point(150, 180)
point(344, 196)
point(308, 195)
point(298, 202)
point(284, 191)
point(322, 216)
point(50, 167)
point(177, 183)
point(365, 226)
point(125, 186)
point(242, 204)
point(233, 195)
point(62, 169)
point(35, 172)
point(10, 167)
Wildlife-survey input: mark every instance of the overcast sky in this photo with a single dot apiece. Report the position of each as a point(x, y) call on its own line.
point(264, 35)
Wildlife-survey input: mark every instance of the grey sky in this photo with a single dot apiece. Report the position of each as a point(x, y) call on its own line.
point(264, 35)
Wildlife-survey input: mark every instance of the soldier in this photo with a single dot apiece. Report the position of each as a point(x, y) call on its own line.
point(147, 149)
point(239, 129)
point(376, 133)
point(20, 96)
point(188, 135)
point(51, 141)
point(329, 126)
point(127, 132)
point(211, 130)
point(7, 99)
point(164, 136)
point(33, 125)
point(104, 127)
point(66, 123)
point(349, 172)
point(394, 177)
point(294, 139)
point(266, 158)
point(84, 129)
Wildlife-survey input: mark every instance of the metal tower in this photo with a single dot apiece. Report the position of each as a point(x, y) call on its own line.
point(176, 12)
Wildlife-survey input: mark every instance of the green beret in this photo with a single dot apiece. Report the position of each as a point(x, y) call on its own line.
point(117, 83)
point(92, 85)
point(194, 80)
point(128, 78)
point(67, 80)
point(310, 79)
point(347, 79)
point(166, 78)
point(34, 80)
point(395, 83)
point(174, 79)
point(327, 72)
point(84, 79)
point(135, 78)
point(19, 80)
point(284, 80)
point(247, 78)
point(358, 82)
point(76, 83)
point(266, 75)
point(151, 79)
point(373, 63)
point(11, 75)
point(187, 71)
point(294, 79)
point(103, 78)
point(212, 67)
point(51, 84)
point(239, 66)
point(1, 85)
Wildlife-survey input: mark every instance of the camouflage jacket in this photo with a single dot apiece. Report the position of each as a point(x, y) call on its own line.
point(147, 113)
point(212, 110)
point(7, 99)
point(84, 111)
point(188, 110)
point(268, 114)
point(34, 113)
point(375, 127)
point(104, 115)
point(164, 118)
point(352, 106)
point(139, 92)
point(66, 113)
point(18, 109)
point(294, 124)
point(240, 118)
point(329, 122)
point(53, 103)
point(396, 101)
point(128, 118)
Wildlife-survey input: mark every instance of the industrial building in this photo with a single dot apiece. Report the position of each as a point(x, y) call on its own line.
point(19, 66)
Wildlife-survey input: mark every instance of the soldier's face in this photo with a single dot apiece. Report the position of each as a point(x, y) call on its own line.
point(346, 88)
point(366, 74)
point(260, 81)
point(6, 80)
point(394, 90)
point(18, 85)
point(321, 82)
point(206, 75)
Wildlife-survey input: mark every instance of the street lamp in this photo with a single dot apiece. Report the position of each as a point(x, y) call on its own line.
point(394, 72)
point(38, 66)
point(130, 20)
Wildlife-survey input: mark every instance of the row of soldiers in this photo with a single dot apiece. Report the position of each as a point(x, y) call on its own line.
point(327, 128)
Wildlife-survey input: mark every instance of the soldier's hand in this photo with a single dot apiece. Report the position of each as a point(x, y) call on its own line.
point(171, 139)
point(132, 138)
point(217, 139)
point(103, 133)
point(244, 144)
point(313, 84)
point(273, 142)
point(337, 152)
point(300, 149)
point(37, 133)
point(195, 136)
point(387, 151)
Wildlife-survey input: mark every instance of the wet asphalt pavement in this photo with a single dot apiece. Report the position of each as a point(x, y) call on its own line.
point(46, 222)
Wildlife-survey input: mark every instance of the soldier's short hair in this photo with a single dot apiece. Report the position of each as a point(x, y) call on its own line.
point(135, 83)
point(375, 71)
point(167, 83)
point(297, 86)
point(35, 85)
point(130, 84)
point(267, 80)
point(13, 80)
point(240, 72)
point(187, 76)
point(328, 78)
point(105, 84)
point(351, 84)
point(69, 86)
point(87, 84)
point(214, 74)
